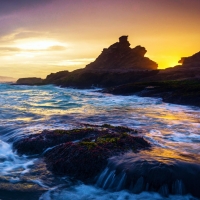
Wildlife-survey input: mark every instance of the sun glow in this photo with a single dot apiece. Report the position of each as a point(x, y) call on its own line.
point(37, 45)
point(167, 62)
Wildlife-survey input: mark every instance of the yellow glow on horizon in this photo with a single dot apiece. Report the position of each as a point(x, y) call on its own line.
point(166, 61)
point(167, 64)
point(45, 56)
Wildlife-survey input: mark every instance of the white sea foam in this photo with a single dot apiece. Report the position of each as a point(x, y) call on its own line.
point(85, 192)
point(11, 163)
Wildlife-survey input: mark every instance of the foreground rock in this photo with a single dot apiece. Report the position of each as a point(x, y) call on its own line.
point(82, 159)
point(147, 171)
point(185, 92)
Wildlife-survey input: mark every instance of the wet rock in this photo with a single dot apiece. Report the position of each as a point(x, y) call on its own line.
point(186, 92)
point(139, 173)
point(37, 143)
point(85, 159)
point(81, 153)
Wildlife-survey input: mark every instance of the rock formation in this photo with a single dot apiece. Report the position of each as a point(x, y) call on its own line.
point(192, 61)
point(85, 158)
point(29, 81)
point(116, 65)
point(119, 56)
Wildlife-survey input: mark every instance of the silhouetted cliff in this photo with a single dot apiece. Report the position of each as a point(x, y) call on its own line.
point(119, 56)
point(116, 65)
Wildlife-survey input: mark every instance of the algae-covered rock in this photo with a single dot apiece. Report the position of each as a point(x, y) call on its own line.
point(85, 159)
point(81, 153)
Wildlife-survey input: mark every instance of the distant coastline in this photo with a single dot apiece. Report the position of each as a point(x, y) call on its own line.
point(5, 79)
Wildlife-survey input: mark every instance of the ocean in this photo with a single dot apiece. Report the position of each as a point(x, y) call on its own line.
point(173, 130)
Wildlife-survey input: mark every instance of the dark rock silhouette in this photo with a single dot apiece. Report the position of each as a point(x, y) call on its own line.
point(30, 81)
point(120, 64)
point(116, 65)
point(119, 56)
point(192, 61)
point(190, 68)
point(179, 84)
point(90, 78)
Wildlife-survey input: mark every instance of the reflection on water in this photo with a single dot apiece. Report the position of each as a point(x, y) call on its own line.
point(168, 154)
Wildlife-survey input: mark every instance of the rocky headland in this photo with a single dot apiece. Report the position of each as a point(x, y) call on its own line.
point(125, 70)
point(116, 65)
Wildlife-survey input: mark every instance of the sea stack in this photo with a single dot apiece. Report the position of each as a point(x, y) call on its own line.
point(121, 57)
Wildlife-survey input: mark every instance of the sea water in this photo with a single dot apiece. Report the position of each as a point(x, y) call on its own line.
point(173, 130)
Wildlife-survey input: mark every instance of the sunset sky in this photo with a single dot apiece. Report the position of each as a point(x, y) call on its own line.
point(38, 37)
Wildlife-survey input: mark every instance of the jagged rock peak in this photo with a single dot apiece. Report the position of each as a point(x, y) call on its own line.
point(123, 40)
point(120, 56)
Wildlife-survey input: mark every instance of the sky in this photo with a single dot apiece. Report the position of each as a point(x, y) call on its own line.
point(38, 37)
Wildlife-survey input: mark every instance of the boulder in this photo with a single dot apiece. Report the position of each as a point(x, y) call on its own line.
point(81, 153)
point(86, 159)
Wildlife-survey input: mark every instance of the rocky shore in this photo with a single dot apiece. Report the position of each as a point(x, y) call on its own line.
point(184, 92)
point(113, 158)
